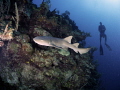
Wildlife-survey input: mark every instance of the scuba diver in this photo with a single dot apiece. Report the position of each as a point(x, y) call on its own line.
point(102, 29)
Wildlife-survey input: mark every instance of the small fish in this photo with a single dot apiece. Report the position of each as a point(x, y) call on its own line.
point(59, 43)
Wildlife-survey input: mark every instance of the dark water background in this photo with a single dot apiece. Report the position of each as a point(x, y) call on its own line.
point(87, 14)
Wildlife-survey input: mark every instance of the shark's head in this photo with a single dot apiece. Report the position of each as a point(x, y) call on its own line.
point(41, 40)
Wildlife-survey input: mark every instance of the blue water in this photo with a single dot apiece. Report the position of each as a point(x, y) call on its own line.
point(87, 14)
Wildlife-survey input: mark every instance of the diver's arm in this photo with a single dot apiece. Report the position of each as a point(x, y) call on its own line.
point(104, 28)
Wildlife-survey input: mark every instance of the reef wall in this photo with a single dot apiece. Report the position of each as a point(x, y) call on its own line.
point(28, 66)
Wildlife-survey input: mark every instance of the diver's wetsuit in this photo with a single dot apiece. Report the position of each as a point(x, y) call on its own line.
point(102, 34)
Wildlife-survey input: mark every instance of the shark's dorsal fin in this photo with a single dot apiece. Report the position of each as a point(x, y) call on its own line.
point(76, 44)
point(68, 39)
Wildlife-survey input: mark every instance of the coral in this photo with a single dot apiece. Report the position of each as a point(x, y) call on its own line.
point(64, 52)
point(23, 38)
point(12, 77)
point(8, 34)
point(1, 43)
point(44, 7)
point(13, 47)
point(28, 66)
point(27, 48)
point(39, 32)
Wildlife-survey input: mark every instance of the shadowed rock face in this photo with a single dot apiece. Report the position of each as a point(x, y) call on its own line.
point(28, 66)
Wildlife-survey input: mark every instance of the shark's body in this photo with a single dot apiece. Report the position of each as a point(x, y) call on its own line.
point(59, 43)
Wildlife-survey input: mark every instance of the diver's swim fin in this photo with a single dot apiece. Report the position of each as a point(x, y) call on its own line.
point(108, 47)
point(101, 50)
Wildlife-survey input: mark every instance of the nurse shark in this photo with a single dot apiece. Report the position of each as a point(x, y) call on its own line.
point(59, 43)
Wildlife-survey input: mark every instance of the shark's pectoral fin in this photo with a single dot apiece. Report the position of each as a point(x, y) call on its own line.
point(53, 45)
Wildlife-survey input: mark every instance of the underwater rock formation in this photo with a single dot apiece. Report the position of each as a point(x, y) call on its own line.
point(28, 66)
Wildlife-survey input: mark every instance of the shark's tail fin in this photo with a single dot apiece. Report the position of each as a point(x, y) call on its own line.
point(83, 50)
